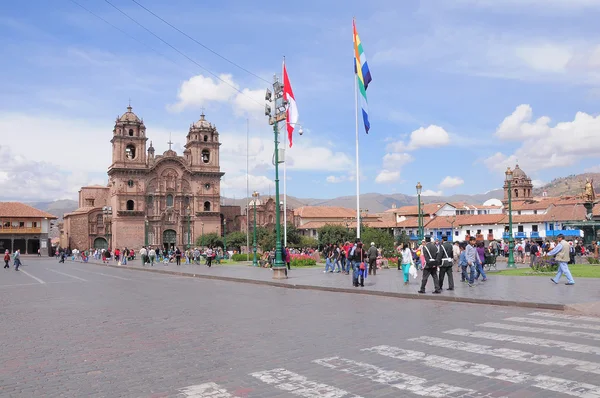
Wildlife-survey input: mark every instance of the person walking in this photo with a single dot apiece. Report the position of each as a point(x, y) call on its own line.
point(209, 256)
point(17, 259)
point(177, 256)
point(533, 252)
point(472, 259)
point(445, 260)
point(561, 251)
point(151, 256)
point(358, 256)
point(456, 255)
point(372, 255)
point(6, 259)
point(430, 252)
point(407, 261)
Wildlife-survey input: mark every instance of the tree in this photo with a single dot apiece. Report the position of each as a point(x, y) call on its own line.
point(211, 239)
point(403, 238)
point(265, 238)
point(293, 236)
point(333, 234)
point(380, 237)
point(236, 240)
point(307, 241)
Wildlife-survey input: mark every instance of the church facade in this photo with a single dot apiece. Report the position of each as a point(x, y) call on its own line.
point(159, 200)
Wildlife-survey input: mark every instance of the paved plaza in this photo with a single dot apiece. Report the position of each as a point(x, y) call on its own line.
point(83, 330)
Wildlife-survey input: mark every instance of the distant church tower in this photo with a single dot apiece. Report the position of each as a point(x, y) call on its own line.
point(521, 186)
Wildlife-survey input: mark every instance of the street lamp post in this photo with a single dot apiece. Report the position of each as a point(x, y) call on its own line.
point(419, 189)
point(224, 238)
point(146, 231)
point(511, 241)
point(189, 220)
point(255, 195)
point(278, 114)
point(202, 235)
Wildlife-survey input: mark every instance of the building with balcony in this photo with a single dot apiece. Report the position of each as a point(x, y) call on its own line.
point(24, 228)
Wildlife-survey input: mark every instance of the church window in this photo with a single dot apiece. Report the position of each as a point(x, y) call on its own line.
point(99, 219)
point(149, 199)
point(187, 201)
point(89, 202)
point(169, 200)
point(516, 193)
point(130, 183)
point(205, 138)
point(131, 132)
point(130, 205)
point(207, 185)
point(206, 156)
point(206, 206)
point(130, 151)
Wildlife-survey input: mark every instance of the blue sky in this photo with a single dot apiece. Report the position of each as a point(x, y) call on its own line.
point(461, 90)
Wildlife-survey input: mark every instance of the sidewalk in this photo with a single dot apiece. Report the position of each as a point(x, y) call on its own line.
point(519, 291)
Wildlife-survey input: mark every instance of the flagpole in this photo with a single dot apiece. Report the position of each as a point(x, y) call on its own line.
point(357, 165)
point(247, 190)
point(285, 138)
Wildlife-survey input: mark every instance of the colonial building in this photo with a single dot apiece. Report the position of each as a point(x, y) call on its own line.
point(162, 200)
point(265, 214)
point(24, 228)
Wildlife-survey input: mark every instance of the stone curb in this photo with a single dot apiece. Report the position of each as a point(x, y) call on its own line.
point(503, 303)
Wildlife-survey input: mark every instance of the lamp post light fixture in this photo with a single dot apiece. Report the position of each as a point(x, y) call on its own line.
point(276, 115)
point(511, 240)
point(255, 195)
point(420, 219)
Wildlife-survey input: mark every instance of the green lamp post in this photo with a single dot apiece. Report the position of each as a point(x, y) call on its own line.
point(419, 189)
point(224, 238)
point(189, 231)
point(255, 195)
point(511, 240)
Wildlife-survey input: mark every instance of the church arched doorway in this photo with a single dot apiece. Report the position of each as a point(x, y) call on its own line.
point(169, 239)
point(100, 243)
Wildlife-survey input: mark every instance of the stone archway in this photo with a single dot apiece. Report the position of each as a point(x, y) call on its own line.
point(169, 238)
point(100, 243)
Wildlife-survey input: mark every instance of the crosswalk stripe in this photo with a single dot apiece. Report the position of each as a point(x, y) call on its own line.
point(299, 385)
point(566, 316)
point(548, 322)
point(477, 369)
point(507, 353)
point(401, 381)
point(559, 332)
point(206, 390)
point(566, 346)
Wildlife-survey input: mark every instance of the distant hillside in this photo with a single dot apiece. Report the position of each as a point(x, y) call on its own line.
point(58, 207)
point(568, 186)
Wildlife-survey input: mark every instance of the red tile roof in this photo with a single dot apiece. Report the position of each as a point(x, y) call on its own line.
point(17, 209)
point(324, 212)
point(427, 209)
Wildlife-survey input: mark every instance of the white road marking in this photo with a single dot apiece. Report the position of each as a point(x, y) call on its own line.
point(563, 345)
point(507, 353)
point(34, 277)
point(548, 322)
point(20, 284)
point(566, 316)
point(401, 381)
point(100, 273)
point(477, 369)
point(206, 390)
point(299, 385)
point(62, 273)
point(560, 332)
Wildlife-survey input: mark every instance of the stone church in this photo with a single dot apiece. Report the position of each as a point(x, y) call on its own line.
point(161, 200)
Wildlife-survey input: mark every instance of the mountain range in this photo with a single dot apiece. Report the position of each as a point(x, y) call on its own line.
point(377, 202)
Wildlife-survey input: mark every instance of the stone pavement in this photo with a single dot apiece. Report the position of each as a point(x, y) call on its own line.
point(522, 291)
point(79, 330)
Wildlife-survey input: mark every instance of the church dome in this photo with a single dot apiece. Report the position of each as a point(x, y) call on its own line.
point(520, 174)
point(203, 123)
point(129, 116)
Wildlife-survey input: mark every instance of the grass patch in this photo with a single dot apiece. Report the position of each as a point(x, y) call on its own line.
point(577, 270)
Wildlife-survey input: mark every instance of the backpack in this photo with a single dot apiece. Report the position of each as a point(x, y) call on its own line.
point(351, 256)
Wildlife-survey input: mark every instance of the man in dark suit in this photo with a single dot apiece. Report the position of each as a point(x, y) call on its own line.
point(430, 251)
point(444, 259)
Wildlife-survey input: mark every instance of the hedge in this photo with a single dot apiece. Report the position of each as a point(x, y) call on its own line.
point(241, 257)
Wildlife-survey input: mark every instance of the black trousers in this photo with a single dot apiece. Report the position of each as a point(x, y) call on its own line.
point(434, 275)
point(446, 271)
point(209, 261)
point(6, 264)
point(178, 260)
point(373, 266)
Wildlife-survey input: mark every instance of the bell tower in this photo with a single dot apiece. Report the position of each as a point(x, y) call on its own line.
point(129, 141)
point(202, 145)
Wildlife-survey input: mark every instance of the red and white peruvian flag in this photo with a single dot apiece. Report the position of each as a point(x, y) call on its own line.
point(292, 109)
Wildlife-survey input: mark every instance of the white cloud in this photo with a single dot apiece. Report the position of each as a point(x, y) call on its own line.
point(451, 182)
point(538, 183)
point(593, 169)
point(430, 192)
point(544, 146)
point(387, 176)
point(424, 137)
point(396, 160)
point(539, 5)
point(548, 57)
point(235, 186)
point(336, 179)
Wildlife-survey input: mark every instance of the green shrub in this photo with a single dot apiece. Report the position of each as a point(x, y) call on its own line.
point(545, 264)
point(303, 262)
point(241, 257)
point(593, 261)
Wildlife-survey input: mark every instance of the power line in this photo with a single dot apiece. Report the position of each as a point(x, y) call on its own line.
point(183, 54)
point(202, 45)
